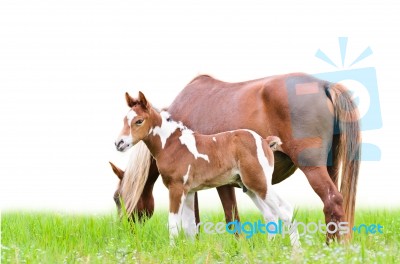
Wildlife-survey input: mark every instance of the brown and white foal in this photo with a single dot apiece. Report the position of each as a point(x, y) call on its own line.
point(189, 162)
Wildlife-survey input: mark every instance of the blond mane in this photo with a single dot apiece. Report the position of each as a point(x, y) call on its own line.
point(135, 176)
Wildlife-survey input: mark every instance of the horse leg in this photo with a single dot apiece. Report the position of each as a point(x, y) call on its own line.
point(312, 159)
point(228, 199)
point(188, 216)
point(333, 168)
point(332, 199)
point(176, 202)
point(196, 209)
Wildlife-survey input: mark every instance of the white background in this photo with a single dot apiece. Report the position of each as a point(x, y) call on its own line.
point(65, 65)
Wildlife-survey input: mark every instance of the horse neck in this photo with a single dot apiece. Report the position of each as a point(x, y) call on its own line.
point(163, 129)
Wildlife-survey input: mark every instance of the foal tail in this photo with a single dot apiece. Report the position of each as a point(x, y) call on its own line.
point(348, 147)
point(135, 176)
point(274, 142)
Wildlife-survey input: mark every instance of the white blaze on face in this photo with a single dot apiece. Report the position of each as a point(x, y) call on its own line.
point(186, 176)
point(187, 138)
point(215, 140)
point(130, 116)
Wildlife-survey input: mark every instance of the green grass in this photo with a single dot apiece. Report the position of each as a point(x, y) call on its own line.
point(47, 237)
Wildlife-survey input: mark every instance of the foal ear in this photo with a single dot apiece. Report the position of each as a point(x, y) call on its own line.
point(117, 171)
point(143, 101)
point(129, 100)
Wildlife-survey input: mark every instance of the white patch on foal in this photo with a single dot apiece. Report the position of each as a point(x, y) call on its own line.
point(262, 159)
point(184, 218)
point(130, 116)
point(173, 224)
point(188, 218)
point(214, 139)
point(167, 128)
point(186, 176)
point(175, 220)
point(187, 138)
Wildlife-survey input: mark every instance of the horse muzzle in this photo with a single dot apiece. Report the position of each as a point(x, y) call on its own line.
point(124, 143)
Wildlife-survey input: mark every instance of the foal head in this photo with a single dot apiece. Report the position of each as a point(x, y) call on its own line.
point(137, 123)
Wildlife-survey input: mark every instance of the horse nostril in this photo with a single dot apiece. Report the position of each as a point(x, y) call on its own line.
point(120, 143)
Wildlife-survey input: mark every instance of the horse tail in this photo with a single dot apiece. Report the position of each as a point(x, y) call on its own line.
point(135, 176)
point(347, 151)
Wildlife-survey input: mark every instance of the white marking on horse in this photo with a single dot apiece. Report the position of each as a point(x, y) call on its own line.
point(188, 218)
point(130, 116)
point(167, 128)
point(187, 138)
point(186, 176)
point(215, 140)
point(173, 224)
point(261, 157)
point(127, 142)
point(175, 220)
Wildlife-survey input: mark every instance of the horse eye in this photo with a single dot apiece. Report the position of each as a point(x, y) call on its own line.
point(139, 122)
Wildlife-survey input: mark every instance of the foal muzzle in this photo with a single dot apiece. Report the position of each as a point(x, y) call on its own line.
point(123, 144)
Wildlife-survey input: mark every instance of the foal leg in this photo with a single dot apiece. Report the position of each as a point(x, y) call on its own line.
point(176, 202)
point(267, 201)
point(268, 214)
point(257, 184)
point(188, 216)
point(274, 207)
point(285, 212)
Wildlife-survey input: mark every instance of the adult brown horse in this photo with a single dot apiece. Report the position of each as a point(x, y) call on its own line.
point(317, 121)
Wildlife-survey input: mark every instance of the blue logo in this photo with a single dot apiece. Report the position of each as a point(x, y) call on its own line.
point(362, 82)
point(249, 229)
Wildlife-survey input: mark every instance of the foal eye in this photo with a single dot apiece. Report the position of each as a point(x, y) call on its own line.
point(139, 122)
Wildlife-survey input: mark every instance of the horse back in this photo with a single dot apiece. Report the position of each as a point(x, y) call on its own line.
point(294, 107)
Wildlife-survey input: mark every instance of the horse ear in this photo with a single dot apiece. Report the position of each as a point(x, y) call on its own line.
point(120, 173)
point(143, 101)
point(129, 100)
